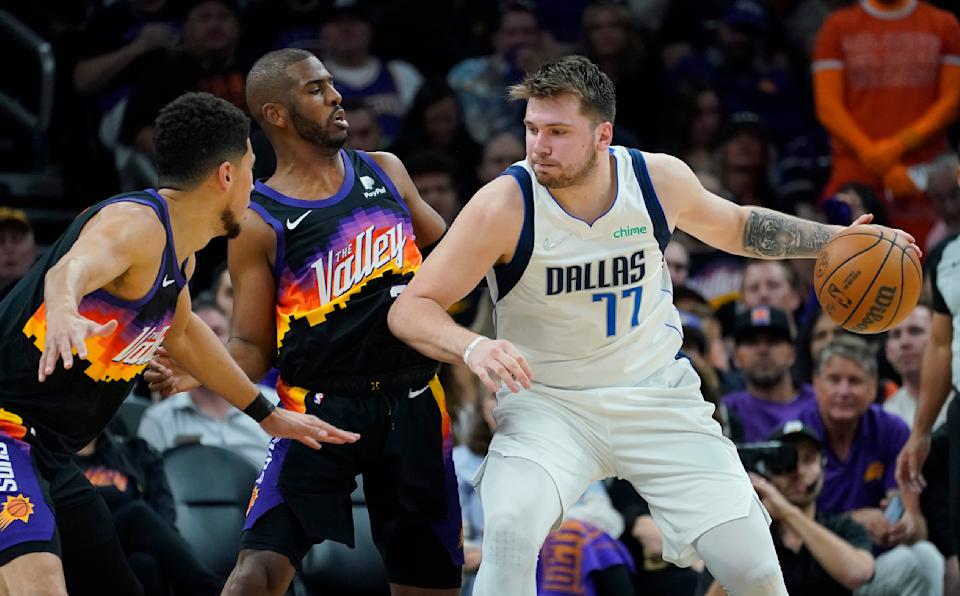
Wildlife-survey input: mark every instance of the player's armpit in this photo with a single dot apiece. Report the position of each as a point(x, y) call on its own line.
point(428, 226)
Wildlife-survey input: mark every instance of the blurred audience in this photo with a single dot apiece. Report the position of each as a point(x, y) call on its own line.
point(365, 132)
point(18, 248)
point(499, 153)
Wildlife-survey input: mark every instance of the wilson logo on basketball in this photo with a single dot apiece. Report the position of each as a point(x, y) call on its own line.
point(16, 508)
point(884, 299)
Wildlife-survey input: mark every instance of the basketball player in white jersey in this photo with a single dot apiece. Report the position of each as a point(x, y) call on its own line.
point(572, 241)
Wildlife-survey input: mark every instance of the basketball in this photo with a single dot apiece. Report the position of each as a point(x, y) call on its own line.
point(18, 508)
point(867, 280)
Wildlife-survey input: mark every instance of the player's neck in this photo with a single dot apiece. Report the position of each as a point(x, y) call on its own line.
point(304, 172)
point(889, 6)
point(194, 219)
point(591, 198)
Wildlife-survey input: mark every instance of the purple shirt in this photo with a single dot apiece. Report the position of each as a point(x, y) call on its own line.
point(571, 553)
point(761, 417)
point(864, 478)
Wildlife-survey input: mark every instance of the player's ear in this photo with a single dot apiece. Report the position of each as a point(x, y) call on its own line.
point(604, 135)
point(225, 175)
point(274, 113)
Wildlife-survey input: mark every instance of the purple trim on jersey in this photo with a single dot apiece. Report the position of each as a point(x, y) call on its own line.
point(277, 226)
point(165, 217)
point(134, 304)
point(21, 487)
point(760, 417)
point(267, 486)
point(384, 178)
point(616, 194)
point(348, 180)
point(864, 478)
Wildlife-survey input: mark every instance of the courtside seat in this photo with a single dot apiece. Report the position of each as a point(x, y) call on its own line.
point(211, 487)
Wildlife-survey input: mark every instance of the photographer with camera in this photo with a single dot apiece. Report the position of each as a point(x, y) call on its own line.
point(819, 553)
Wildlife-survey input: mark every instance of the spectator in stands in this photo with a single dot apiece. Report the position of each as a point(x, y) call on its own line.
point(387, 86)
point(773, 283)
point(435, 122)
point(693, 125)
point(764, 353)
point(744, 161)
point(678, 262)
point(582, 556)
point(904, 346)
point(129, 476)
point(611, 41)
point(500, 152)
point(944, 193)
point(819, 553)
point(207, 61)
point(887, 85)
point(18, 248)
point(365, 132)
point(201, 416)
point(479, 82)
point(282, 24)
point(467, 458)
point(434, 175)
point(121, 40)
point(862, 443)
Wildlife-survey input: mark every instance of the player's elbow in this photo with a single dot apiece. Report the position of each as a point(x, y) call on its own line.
point(397, 317)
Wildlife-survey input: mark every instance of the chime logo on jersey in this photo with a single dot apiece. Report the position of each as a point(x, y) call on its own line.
point(349, 266)
point(8, 483)
point(142, 348)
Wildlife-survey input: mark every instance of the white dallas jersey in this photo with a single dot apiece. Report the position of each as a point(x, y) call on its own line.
point(590, 305)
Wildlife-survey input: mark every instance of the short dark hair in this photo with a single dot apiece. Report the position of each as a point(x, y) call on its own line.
point(575, 75)
point(268, 80)
point(194, 134)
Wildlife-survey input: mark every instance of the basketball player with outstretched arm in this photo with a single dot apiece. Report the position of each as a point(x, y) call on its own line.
point(572, 241)
point(335, 235)
point(102, 300)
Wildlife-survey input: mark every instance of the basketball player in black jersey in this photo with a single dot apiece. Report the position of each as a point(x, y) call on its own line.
point(333, 239)
point(103, 298)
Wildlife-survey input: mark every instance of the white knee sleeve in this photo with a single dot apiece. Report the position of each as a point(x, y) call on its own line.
point(741, 556)
point(520, 505)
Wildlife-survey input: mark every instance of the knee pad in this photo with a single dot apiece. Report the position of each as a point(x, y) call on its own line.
point(765, 579)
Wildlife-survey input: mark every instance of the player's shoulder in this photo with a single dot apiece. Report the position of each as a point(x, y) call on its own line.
point(669, 174)
point(137, 222)
point(389, 163)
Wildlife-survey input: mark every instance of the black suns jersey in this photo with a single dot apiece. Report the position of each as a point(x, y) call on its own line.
point(71, 407)
point(340, 264)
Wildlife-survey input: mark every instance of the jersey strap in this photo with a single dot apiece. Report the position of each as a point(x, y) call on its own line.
point(509, 274)
point(660, 229)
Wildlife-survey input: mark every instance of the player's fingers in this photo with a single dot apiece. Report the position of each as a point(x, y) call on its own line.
point(102, 329)
point(48, 351)
point(309, 442)
point(66, 352)
point(515, 370)
point(345, 435)
point(505, 376)
point(488, 381)
point(521, 362)
point(863, 219)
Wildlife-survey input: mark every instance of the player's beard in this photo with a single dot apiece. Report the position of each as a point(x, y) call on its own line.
point(321, 135)
point(563, 180)
point(228, 220)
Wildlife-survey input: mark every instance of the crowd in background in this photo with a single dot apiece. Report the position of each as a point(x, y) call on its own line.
point(823, 108)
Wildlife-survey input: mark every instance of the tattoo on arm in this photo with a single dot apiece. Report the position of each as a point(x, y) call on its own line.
point(771, 234)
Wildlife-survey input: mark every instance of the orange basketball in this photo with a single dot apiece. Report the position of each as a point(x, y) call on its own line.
point(18, 508)
point(867, 280)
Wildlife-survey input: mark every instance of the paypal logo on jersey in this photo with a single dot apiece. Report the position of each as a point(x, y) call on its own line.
point(368, 184)
point(608, 273)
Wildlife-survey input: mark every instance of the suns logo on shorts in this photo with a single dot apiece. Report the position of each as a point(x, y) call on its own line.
point(16, 508)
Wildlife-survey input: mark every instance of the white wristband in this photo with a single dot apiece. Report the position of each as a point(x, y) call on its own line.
point(469, 349)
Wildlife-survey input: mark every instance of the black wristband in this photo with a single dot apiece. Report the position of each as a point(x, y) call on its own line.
point(259, 408)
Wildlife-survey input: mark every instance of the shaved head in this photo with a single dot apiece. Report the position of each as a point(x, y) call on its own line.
point(268, 80)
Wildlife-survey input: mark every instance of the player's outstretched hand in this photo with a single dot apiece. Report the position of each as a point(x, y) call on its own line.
point(910, 462)
point(306, 428)
point(166, 377)
point(498, 357)
point(68, 330)
point(911, 241)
